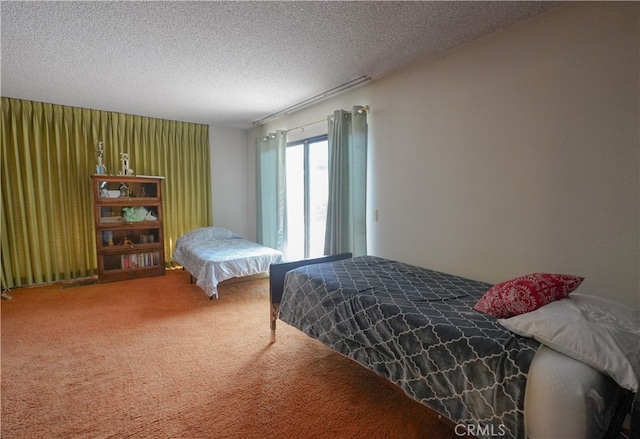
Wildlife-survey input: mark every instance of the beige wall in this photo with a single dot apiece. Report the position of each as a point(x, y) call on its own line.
point(229, 179)
point(516, 153)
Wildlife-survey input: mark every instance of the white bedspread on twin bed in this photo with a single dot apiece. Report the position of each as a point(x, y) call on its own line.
point(214, 254)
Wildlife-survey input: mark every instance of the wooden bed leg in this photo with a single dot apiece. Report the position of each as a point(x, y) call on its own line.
point(275, 309)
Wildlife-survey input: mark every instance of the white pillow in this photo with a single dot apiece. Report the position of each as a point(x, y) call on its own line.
point(211, 233)
point(597, 331)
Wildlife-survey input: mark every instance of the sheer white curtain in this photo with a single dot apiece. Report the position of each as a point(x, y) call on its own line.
point(346, 210)
point(271, 191)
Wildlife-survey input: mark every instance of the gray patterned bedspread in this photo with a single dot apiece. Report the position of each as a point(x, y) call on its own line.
point(416, 327)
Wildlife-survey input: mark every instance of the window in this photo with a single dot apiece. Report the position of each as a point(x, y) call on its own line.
point(307, 191)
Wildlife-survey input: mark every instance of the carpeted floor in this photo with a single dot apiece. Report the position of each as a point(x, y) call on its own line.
point(155, 358)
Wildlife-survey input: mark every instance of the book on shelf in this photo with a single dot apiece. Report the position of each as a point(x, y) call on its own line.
point(139, 260)
point(125, 261)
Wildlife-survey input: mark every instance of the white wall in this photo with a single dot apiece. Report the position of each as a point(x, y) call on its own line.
point(229, 179)
point(516, 153)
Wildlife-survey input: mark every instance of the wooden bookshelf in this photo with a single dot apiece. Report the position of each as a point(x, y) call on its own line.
point(128, 226)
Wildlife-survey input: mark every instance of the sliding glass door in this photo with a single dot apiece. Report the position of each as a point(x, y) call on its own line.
point(307, 190)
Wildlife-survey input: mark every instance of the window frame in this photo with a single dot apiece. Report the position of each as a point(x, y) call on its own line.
point(306, 181)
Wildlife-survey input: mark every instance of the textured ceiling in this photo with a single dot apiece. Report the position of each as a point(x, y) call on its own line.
point(224, 63)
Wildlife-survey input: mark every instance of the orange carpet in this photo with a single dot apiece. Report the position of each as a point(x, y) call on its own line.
point(155, 358)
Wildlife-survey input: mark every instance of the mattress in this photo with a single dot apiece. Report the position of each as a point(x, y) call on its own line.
point(567, 399)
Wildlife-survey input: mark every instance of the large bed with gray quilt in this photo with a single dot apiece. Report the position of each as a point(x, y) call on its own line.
point(416, 328)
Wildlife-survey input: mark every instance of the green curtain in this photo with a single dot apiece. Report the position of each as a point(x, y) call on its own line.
point(346, 229)
point(271, 191)
point(48, 156)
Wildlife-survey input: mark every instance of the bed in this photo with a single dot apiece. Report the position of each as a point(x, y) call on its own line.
point(215, 254)
point(417, 328)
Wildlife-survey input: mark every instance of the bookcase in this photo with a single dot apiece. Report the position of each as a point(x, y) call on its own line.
point(128, 226)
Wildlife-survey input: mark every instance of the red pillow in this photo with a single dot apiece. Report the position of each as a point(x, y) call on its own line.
point(526, 293)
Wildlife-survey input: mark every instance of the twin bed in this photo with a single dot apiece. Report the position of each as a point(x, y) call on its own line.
point(215, 254)
point(418, 329)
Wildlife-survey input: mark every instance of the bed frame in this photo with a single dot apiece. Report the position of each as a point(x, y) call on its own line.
point(276, 282)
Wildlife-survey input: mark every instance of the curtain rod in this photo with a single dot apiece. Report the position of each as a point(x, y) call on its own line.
point(317, 98)
point(363, 108)
point(301, 127)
